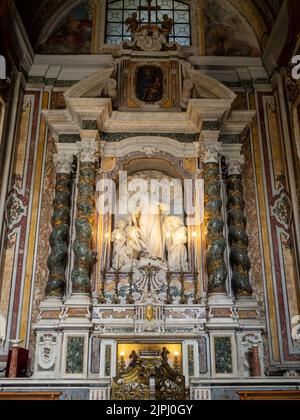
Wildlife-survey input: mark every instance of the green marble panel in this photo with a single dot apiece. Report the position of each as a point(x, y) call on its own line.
point(223, 355)
point(108, 353)
point(75, 356)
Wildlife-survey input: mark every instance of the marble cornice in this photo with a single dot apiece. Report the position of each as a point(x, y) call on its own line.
point(97, 113)
point(237, 122)
point(118, 137)
point(232, 151)
point(150, 146)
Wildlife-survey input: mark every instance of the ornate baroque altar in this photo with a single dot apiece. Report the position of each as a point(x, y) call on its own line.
point(124, 286)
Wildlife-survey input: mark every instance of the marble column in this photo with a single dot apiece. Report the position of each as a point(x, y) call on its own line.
point(15, 349)
point(237, 224)
point(83, 244)
point(216, 243)
point(59, 238)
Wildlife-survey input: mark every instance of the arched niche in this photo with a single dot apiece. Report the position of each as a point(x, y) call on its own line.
point(134, 163)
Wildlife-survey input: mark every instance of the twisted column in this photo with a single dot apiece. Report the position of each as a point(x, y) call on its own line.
point(83, 244)
point(237, 224)
point(59, 238)
point(216, 244)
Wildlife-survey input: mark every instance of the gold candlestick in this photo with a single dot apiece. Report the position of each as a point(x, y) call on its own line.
point(183, 297)
point(116, 296)
point(129, 299)
point(102, 299)
point(169, 299)
point(122, 363)
point(196, 300)
point(176, 364)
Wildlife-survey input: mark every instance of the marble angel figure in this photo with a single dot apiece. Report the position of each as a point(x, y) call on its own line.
point(149, 224)
point(176, 239)
point(119, 239)
point(135, 243)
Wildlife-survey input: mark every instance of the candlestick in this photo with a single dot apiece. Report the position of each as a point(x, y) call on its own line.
point(176, 364)
point(122, 363)
point(116, 297)
point(129, 299)
point(183, 297)
point(102, 299)
point(196, 300)
point(169, 299)
point(106, 250)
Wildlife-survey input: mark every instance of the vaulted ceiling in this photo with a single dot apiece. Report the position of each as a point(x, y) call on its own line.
point(260, 14)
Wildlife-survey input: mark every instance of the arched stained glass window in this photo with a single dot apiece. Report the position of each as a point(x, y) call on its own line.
point(118, 11)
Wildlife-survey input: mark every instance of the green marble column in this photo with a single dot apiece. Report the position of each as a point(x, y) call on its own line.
point(237, 224)
point(216, 244)
point(83, 244)
point(59, 238)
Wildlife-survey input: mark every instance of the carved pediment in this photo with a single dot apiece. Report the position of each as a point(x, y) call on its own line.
point(205, 87)
point(100, 84)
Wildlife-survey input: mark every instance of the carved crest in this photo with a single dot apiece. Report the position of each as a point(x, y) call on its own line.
point(47, 351)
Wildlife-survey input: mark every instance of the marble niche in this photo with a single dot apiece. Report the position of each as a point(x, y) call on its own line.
point(154, 231)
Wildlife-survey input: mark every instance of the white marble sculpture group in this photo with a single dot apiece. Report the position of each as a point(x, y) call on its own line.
point(151, 237)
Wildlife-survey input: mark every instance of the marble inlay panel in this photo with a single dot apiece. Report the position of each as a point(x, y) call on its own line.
point(191, 362)
point(96, 345)
point(203, 366)
point(108, 353)
point(223, 355)
point(75, 355)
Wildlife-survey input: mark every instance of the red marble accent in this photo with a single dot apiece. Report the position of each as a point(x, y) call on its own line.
point(281, 308)
point(13, 368)
point(28, 179)
point(255, 361)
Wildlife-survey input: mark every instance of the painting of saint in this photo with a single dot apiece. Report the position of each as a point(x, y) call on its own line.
point(221, 39)
point(73, 35)
point(149, 84)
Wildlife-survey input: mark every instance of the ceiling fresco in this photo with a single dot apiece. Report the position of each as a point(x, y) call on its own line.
point(252, 21)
